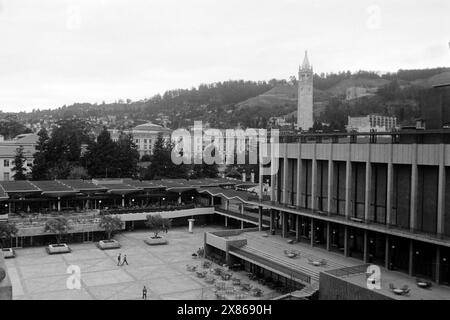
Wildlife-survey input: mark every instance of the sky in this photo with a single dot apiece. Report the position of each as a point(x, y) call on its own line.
point(58, 52)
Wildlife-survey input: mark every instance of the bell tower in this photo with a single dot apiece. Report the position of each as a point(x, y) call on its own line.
point(305, 95)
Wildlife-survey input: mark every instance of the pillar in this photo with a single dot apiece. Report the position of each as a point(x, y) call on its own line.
point(212, 200)
point(299, 176)
point(411, 258)
point(328, 236)
point(242, 224)
point(261, 183)
point(285, 178)
point(260, 218)
point(59, 204)
point(348, 183)
point(314, 179)
point(227, 204)
point(272, 220)
point(123, 200)
point(365, 248)
point(441, 191)
point(389, 193)
point(387, 253)
point(313, 232)
point(226, 221)
point(283, 224)
point(297, 227)
point(179, 198)
point(191, 225)
point(273, 181)
point(330, 179)
point(413, 206)
point(438, 265)
point(346, 241)
point(368, 185)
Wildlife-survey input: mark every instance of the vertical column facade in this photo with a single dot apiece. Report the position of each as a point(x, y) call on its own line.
point(441, 191)
point(348, 182)
point(413, 206)
point(368, 185)
point(389, 186)
point(314, 178)
point(285, 177)
point(330, 179)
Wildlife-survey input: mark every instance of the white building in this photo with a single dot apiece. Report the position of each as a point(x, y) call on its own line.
point(372, 122)
point(8, 150)
point(144, 135)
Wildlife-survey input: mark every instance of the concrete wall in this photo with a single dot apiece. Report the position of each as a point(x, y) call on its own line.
point(5, 285)
point(334, 288)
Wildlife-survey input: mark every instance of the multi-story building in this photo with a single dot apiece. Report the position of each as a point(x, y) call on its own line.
point(372, 122)
point(8, 149)
point(144, 135)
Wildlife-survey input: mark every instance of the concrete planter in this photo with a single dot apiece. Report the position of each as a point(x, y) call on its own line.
point(8, 253)
point(155, 241)
point(108, 244)
point(58, 248)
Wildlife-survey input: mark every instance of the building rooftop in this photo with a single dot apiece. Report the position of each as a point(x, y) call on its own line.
point(149, 126)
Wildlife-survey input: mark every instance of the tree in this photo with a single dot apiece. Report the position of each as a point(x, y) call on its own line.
point(157, 223)
point(59, 226)
point(7, 231)
point(110, 224)
point(101, 156)
point(161, 165)
point(40, 165)
point(127, 156)
point(78, 172)
point(19, 161)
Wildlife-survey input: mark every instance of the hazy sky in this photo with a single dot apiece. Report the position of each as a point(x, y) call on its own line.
point(56, 52)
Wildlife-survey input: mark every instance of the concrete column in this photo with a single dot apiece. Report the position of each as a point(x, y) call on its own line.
point(299, 179)
point(438, 265)
point(366, 247)
point(191, 225)
point(284, 224)
point(297, 227)
point(59, 204)
point(314, 178)
point(123, 200)
point(285, 178)
point(328, 236)
point(368, 186)
point(242, 224)
point(330, 179)
point(413, 206)
point(273, 181)
point(212, 201)
point(227, 204)
point(9, 207)
point(272, 218)
point(389, 193)
point(313, 232)
point(261, 183)
point(346, 241)
point(348, 183)
point(260, 218)
point(441, 191)
point(387, 253)
point(411, 257)
point(226, 221)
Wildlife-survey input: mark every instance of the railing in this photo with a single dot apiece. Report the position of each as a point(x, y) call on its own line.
point(401, 136)
point(152, 209)
point(368, 222)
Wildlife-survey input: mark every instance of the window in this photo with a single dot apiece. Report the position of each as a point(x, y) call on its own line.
point(6, 163)
point(6, 176)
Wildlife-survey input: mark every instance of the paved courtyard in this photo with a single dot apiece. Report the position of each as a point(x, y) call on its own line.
point(162, 269)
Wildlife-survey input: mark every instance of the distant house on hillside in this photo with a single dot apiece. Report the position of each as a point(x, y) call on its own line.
point(372, 122)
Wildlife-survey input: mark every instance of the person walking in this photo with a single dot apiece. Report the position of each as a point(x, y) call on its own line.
point(144, 293)
point(119, 257)
point(124, 259)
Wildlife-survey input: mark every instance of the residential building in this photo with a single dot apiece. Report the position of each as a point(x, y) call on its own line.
point(8, 150)
point(372, 122)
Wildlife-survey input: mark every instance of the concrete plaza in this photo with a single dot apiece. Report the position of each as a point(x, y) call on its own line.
point(162, 269)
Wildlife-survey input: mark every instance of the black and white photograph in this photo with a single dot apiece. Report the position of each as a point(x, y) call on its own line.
point(224, 155)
